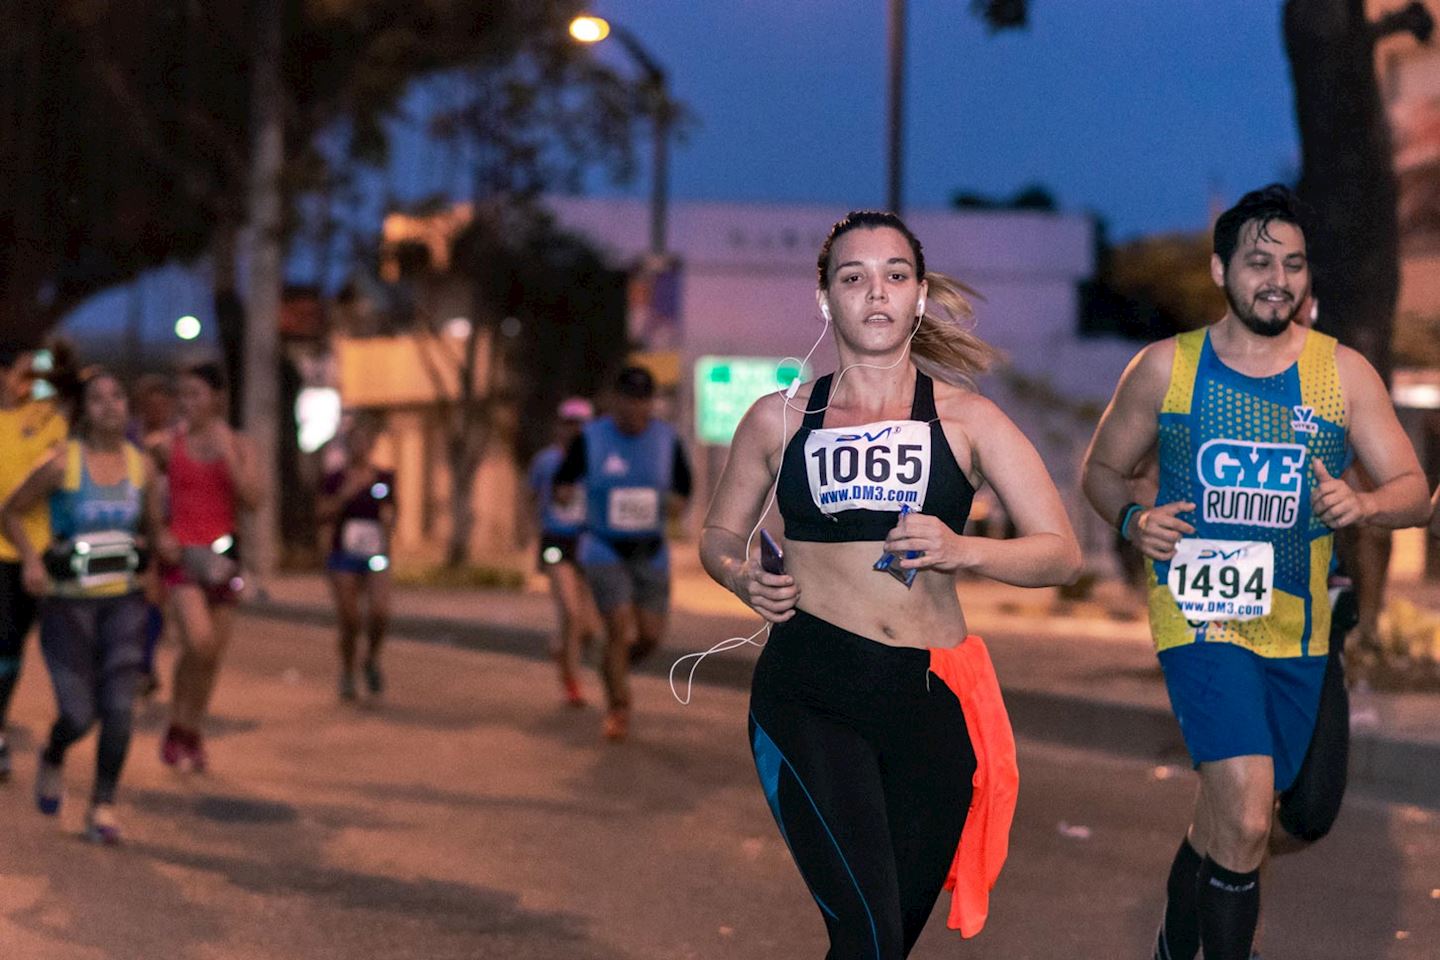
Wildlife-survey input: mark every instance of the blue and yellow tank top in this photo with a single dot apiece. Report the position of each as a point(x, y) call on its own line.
point(81, 506)
point(1241, 449)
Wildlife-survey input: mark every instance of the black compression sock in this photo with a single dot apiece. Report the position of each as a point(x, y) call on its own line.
point(1179, 937)
point(1229, 909)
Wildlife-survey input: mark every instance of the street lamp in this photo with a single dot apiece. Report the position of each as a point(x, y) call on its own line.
point(187, 327)
point(589, 29)
point(895, 114)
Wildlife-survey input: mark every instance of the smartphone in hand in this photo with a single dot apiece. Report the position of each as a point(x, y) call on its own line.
point(772, 558)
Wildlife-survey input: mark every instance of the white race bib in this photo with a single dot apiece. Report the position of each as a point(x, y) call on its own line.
point(1222, 579)
point(362, 538)
point(878, 466)
point(634, 509)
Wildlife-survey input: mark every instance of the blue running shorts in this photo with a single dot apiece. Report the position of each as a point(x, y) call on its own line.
point(1234, 703)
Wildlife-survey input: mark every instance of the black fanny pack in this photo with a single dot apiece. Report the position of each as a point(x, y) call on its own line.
point(95, 559)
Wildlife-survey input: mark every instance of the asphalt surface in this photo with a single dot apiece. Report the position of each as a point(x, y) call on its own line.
point(470, 816)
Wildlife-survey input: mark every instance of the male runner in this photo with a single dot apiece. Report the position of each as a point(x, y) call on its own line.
point(1255, 419)
point(636, 476)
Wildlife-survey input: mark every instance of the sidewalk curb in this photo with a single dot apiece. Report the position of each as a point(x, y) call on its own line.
point(1393, 770)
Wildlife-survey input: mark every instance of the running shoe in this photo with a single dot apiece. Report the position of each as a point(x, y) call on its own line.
point(172, 748)
point(374, 679)
point(4, 760)
point(617, 724)
point(101, 825)
point(347, 687)
point(49, 787)
point(573, 696)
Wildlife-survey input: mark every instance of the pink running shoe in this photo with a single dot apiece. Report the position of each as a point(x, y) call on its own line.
point(172, 748)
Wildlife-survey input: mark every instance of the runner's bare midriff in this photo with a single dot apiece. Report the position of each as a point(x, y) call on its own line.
point(838, 585)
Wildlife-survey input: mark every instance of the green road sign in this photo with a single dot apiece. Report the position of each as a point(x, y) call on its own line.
point(726, 386)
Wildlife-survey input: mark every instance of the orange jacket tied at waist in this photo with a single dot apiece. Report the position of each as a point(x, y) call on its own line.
point(966, 669)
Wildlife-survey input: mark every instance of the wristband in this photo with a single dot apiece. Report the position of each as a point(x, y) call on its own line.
point(1125, 517)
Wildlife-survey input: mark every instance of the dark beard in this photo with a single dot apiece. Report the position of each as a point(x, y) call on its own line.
point(1257, 324)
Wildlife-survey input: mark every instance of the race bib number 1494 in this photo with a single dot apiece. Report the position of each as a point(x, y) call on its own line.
point(1222, 579)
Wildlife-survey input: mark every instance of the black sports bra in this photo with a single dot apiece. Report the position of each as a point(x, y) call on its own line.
point(847, 484)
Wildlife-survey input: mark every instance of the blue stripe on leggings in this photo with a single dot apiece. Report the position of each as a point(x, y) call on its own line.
point(768, 758)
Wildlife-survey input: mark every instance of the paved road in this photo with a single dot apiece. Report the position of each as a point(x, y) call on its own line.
point(471, 817)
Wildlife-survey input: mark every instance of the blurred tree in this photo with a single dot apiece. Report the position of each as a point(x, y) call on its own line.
point(1035, 196)
point(1347, 167)
point(1151, 288)
point(128, 125)
point(139, 137)
point(547, 321)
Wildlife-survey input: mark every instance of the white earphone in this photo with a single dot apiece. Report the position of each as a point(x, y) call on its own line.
point(920, 309)
point(825, 310)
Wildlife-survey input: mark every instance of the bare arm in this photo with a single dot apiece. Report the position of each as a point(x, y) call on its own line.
point(740, 496)
point(1435, 514)
point(1399, 497)
point(166, 547)
point(1127, 433)
point(41, 482)
point(152, 511)
point(243, 463)
point(1044, 553)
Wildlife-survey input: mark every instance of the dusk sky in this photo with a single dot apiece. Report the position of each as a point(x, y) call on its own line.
point(1136, 109)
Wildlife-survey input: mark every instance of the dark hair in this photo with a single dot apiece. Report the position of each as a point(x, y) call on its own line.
point(867, 219)
point(79, 387)
point(945, 345)
point(1266, 205)
point(210, 373)
point(636, 382)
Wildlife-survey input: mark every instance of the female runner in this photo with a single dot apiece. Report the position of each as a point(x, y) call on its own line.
point(357, 503)
point(866, 760)
point(92, 619)
point(212, 478)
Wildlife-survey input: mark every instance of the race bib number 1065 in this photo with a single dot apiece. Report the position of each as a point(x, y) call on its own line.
point(1222, 579)
point(878, 466)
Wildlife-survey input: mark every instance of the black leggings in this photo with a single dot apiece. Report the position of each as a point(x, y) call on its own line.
point(17, 613)
point(867, 765)
point(94, 648)
point(1309, 807)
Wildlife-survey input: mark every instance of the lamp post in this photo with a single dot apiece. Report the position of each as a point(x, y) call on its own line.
point(588, 29)
point(895, 89)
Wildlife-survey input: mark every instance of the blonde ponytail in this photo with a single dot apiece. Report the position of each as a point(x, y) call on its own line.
point(946, 347)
